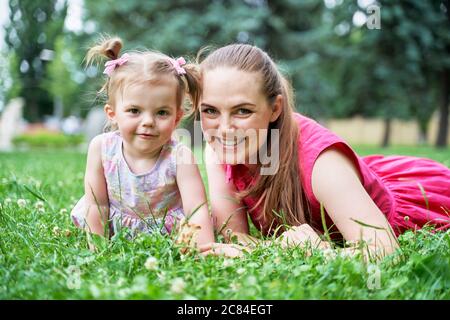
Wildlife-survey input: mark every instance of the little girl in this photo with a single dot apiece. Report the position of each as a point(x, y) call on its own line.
point(137, 175)
point(371, 199)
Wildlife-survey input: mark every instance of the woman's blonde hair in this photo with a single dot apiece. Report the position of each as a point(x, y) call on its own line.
point(142, 67)
point(282, 191)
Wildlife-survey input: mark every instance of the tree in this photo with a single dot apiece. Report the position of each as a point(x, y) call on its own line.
point(59, 82)
point(30, 35)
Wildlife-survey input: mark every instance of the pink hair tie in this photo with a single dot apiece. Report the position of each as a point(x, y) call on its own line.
point(113, 64)
point(177, 64)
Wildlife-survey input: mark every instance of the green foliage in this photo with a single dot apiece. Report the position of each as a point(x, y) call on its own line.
point(59, 82)
point(33, 27)
point(43, 256)
point(47, 140)
point(338, 69)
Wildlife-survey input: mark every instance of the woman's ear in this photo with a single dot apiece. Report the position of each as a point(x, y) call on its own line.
point(109, 112)
point(277, 108)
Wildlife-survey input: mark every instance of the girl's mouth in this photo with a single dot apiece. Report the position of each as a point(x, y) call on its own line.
point(147, 136)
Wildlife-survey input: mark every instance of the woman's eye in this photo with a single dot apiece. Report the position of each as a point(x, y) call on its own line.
point(243, 111)
point(209, 111)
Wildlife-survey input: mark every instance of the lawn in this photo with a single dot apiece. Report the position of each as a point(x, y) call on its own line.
point(43, 256)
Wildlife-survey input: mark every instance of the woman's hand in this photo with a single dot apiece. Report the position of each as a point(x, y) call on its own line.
point(302, 235)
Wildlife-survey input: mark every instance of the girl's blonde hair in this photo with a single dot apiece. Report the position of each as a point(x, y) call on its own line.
point(141, 67)
point(282, 191)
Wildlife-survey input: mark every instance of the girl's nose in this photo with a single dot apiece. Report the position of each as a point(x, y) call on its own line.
point(148, 120)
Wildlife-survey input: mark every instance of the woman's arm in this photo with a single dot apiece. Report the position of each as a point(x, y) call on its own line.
point(337, 185)
point(96, 195)
point(228, 212)
point(193, 196)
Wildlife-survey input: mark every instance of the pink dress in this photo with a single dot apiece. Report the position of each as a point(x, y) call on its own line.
point(410, 191)
point(145, 202)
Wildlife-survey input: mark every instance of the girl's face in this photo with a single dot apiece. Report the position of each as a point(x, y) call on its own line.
point(235, 114)
point(146, 115)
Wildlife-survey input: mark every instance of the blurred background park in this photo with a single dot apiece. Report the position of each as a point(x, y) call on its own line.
point(375, 72)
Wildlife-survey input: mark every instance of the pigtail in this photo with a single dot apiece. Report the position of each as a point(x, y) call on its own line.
point(106, 47)
point(193, 85)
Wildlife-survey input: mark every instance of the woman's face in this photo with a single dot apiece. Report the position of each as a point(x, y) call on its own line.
point(235, 114)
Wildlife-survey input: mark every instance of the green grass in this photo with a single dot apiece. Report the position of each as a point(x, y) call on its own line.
point(43, 256)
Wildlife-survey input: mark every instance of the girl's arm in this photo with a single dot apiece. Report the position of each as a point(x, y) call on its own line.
point(228, 212)
point(193, 197)
point(337, 185)
point(96, 195)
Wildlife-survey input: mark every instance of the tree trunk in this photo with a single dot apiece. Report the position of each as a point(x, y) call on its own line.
point(423, 137)
point(441, 141)
point(387, 132)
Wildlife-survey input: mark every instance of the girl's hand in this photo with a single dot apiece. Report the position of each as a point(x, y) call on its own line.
point(301, 235)
point(186, 235)
point(225, 249)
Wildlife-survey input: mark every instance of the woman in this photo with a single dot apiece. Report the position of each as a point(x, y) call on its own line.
point(373, 199)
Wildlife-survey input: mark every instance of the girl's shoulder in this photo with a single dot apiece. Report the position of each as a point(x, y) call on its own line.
point(111, 141)
point(174, 153)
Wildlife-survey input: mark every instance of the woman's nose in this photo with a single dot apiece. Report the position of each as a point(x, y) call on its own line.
point(226, 124)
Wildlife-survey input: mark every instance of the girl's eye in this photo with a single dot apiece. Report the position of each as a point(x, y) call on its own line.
point(133, 110)
point(163, 113)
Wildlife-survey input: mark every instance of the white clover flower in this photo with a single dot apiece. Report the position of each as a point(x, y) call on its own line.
point(178, 285)
point(121, 282)
point(21, 203)
point(304, 268)
point(277, 260)
point(95, 291)
point(235, 286)
point(347, 254)
point(7, 201)
point(151, 263)
point(329, 254)
point(227, 263)
point(251, 281)
point(41, 210)
point(162, 276)
point(240, 271)
point(56, 230)
point(39, 204)
point(63, 211)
